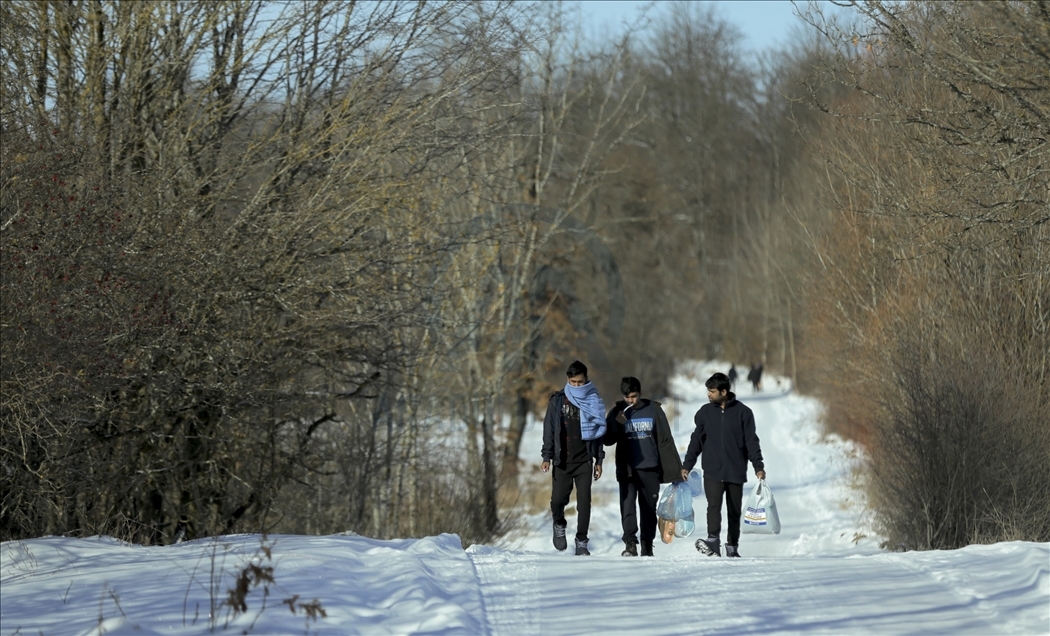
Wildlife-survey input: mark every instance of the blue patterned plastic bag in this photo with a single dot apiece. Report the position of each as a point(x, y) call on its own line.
point(684, 527)
point(676, 501)
point(683, 500)
point(696, 483)
point(665, 507)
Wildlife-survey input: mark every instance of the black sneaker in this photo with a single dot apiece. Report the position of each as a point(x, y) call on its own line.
point(647, 548)
point(631, 549)
point(581, 548)
point(732, 551)
point(708, 548)
point(559, 537)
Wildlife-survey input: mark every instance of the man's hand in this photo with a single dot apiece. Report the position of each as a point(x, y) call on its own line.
point(620, 418)
point(685, 475)
point(597, 472)
point(761, 474)
point(545, 466)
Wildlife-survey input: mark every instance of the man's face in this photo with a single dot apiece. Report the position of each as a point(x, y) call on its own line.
point(716, 396)
point(578, 380)
point(632, 398)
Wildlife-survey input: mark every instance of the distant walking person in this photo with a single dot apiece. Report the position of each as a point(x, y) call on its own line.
point(572, 438)
point(732, 375)
point(646, 456)
point(725, 435)
point(754, 376)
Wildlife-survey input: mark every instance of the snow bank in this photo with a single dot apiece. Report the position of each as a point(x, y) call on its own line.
point(75, 586)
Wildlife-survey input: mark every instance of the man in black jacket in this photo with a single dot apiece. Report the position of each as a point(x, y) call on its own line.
point(646, 456)
point(570, 443)
point(725, 434)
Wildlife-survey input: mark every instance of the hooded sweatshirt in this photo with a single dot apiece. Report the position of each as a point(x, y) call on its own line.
point(643, 441)
point(727, 439)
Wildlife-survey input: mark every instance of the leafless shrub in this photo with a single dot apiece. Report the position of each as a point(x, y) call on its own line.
point(934, 267)
point(957, 454)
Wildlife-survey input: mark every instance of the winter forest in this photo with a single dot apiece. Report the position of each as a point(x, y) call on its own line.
point(307, 268)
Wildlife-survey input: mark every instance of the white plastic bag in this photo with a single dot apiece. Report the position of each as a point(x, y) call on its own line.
point(760, 513)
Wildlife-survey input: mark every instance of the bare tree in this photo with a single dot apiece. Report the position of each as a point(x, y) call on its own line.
point(261, 209)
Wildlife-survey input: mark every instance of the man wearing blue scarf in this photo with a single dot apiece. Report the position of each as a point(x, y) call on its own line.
point(572, 439)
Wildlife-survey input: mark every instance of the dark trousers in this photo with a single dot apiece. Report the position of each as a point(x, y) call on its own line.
point(563, 480)
point(642, 487)
point(734, 496)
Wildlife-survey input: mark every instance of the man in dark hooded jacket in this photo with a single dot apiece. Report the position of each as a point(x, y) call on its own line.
point(646, 456)
point(725, 434)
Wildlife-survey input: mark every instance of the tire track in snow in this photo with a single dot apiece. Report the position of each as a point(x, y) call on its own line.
point(510, 590)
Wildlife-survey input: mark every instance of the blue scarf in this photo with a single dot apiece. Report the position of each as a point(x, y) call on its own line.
point(592, 409)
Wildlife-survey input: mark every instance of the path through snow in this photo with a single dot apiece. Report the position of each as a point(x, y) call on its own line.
point(824, 574)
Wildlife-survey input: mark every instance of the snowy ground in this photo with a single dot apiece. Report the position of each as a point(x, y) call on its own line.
point(823, 574)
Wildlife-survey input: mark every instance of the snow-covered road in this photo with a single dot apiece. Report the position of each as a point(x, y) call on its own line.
point(824, 574)
point(979, 590)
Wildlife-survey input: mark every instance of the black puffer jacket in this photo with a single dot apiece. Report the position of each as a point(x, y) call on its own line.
point(727, 439)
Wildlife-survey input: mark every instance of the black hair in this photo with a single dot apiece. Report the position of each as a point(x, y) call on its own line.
point(629, 385)
point(719, 382)
point(577, 368)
